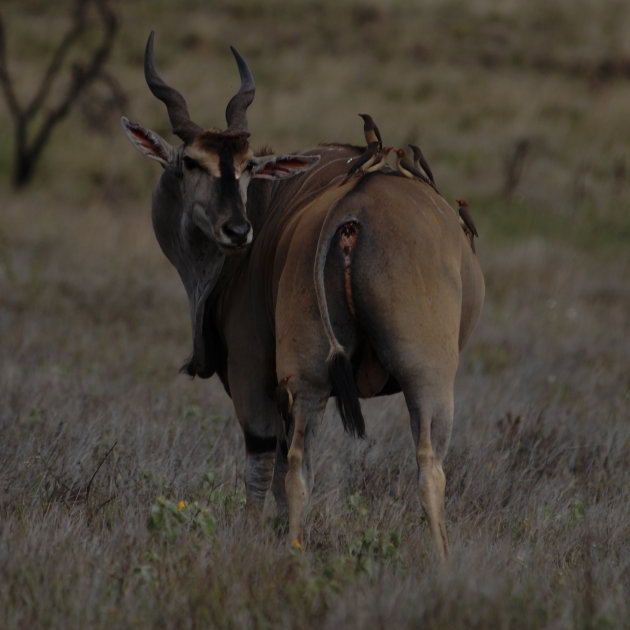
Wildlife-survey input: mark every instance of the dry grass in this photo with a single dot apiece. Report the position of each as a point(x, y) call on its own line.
point(99, 434)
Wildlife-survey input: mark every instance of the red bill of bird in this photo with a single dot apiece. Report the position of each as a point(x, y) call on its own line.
point(407, 168)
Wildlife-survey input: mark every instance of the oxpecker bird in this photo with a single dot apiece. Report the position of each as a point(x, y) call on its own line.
point(467, 221)
point(380, 161)
point(407, 168)
point(421, 163)
point(370, 130)
point(372, 159)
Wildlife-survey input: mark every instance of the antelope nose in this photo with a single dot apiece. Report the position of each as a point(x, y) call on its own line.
point(238, 233)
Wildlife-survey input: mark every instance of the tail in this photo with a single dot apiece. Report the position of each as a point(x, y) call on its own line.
point(340, 371)
point(339, 366)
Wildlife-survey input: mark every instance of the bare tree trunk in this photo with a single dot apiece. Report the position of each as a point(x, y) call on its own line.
point(27, 153)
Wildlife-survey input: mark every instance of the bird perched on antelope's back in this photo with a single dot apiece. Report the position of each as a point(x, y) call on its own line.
point(372, 159)
point(370, 130)
point(467, 221)
point(421, 163)
point(407, 168)
point(363, 161)
point(380, 161)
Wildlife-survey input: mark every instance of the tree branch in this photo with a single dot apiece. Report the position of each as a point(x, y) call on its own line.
point(57, 60)
point(82, 75)
point(27, 153)
point(5, 79)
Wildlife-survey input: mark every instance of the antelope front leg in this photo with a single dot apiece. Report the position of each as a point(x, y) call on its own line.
point(258, 475)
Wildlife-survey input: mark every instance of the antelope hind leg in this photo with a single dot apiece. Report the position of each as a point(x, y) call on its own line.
point(432, 485)
point(299, 477)
point(432, 434)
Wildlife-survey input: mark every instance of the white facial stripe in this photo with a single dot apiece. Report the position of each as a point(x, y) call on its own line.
point(210, 160)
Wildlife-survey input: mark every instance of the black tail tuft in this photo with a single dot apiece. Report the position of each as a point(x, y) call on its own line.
point(342, 378)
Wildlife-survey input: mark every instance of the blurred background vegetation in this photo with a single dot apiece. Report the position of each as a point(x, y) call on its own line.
point(520, 107)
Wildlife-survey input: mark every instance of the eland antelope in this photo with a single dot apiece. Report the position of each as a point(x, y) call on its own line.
point(358, 290)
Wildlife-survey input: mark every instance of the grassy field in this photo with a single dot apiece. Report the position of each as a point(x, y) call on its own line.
point(101, 438)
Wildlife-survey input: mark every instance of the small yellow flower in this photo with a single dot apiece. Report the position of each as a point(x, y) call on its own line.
point(296, 544)
point(181, 505)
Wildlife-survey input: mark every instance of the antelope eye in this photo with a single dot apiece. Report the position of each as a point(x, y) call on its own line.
point(190, 163)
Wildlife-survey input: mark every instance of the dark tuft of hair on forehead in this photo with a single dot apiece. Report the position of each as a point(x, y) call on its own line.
point(220, 141)
point(263, 151)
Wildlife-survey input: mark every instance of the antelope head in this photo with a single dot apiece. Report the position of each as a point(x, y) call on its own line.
point(206, 178)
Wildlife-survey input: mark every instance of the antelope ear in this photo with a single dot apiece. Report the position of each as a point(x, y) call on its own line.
point(148, 142)
point(282, 166)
